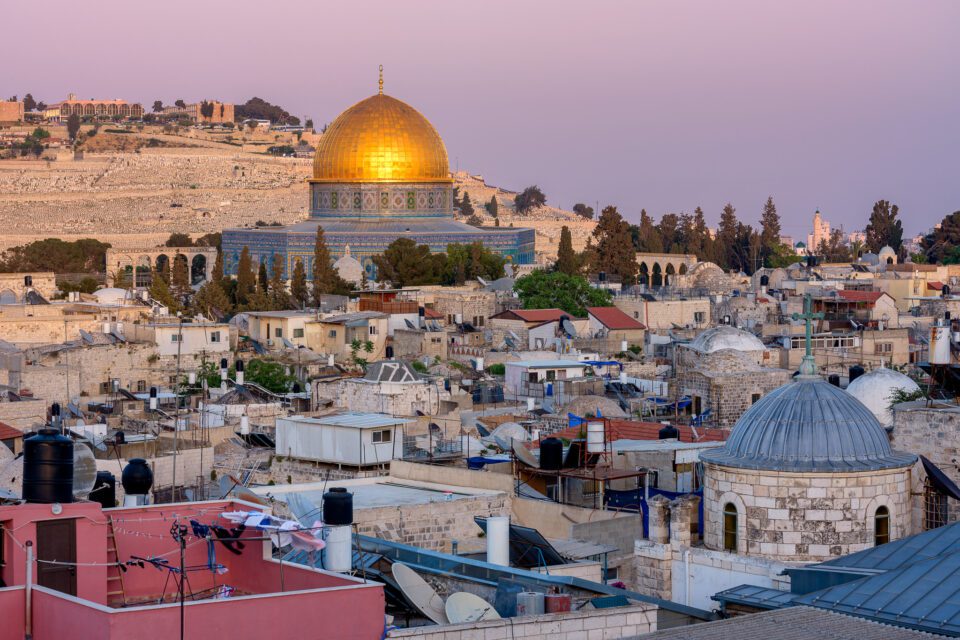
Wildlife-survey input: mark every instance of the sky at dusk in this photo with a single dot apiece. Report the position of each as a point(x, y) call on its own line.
point(660, 105)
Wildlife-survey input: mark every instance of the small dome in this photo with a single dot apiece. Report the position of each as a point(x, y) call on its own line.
point(874, 390)
point(808, 426)
point(349, 267)
point(381, 139)
point(111, 295)
point(726, 337)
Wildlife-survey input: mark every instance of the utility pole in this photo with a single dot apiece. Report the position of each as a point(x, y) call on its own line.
point(176, 407)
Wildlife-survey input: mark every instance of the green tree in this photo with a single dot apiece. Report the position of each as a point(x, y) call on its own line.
point(299, 290)
point(272, 376)
point(181, 275)
point(180, 103)
point(613, 250)
point(728, 234)
point(73, 126)
point(160, 291)
point(884, 228)
point(941, 242)
point(466, 207)
point(279, 297)
point(263, 280)
point(52, 254)
point(157, 106)
point(218, 268)
point(211, 301)
point(769, 230)
point(645, 236)
point(583, 211)
point(326, 279)
point(530, 198)
point(493, 207)
point(475, 221)
point(556, 290)
point(669, 232)
point(178, 239)
point(246, 278)
point(833, 248)
point(469, 262)
point(405, 263)
point(29, 104)
point(567, 260)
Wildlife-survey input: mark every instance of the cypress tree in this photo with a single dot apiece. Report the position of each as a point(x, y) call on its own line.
point(566, 257)
point(298, 285)
point(279, 297)
point(326, 280)
point(246, 277)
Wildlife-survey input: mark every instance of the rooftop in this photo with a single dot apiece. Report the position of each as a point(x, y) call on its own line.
point(353, 420)
point(545, 364)
point(614, 319)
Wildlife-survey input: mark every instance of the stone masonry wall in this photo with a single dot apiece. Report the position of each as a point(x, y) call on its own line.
point(804, 516)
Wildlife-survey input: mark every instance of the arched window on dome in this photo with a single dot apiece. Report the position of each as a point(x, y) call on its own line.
point(730, 527)
point(881, 526)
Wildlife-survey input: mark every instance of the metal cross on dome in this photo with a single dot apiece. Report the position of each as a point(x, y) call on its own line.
point(808, 367)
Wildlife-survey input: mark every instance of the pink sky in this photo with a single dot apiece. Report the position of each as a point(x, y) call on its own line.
point(664, 105)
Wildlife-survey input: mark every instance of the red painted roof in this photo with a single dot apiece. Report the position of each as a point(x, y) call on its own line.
point(432, 313)
point(534, 315)
point(8, 433)
point(636, 430)
point(936, 286)
point(860, 296)
point(615, 319)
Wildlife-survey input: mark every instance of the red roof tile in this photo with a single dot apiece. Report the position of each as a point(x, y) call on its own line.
point(614, 319)
point(8, 433)
point(432, 314)
point(534, 315)
point(936, 286)
point(860, 296)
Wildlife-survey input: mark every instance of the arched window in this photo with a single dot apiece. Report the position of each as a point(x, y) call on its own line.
point(881, 526)
point(729, 527)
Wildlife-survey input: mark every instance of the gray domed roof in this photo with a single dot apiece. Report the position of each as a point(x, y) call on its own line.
point(725, 336)
point(808, 426)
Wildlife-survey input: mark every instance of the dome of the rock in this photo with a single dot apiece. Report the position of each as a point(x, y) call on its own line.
point(381, 139)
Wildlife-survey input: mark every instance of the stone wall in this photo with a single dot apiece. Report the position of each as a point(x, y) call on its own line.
point(661, 315)
point(586, 624)
point(933, 432)
point(729, 394)
point(804, 516)
point(23, 415)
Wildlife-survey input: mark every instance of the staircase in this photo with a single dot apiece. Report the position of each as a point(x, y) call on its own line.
point(115, 590)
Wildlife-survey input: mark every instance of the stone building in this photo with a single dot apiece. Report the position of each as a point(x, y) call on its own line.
point(11, 112)
point(392, 387)
point(99, 108)
point(16, 287)
point(807, 474)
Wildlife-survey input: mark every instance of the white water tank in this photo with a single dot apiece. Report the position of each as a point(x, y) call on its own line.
point(531, 404)
point(338, 554)
point(623, 345)
point(623, 377)
point(479, 364)
point(595, 437)
point(330, 360)
point(939, 344)
point(498, 540)
point(244, 425)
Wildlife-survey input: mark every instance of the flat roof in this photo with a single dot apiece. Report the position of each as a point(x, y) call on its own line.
point(624, 446)
point(293, 313)
point(371, 493)
point(354, 420)
point(546, 364)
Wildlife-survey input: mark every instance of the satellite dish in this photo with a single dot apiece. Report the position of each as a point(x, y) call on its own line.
point(513, 335)
point(510, 343)
point(84, 471)
point(466, 607)
point(419, 594)
point(482, 281)
point(568, 328)
point(11, 476)
point(524, 456)
point(409, 324)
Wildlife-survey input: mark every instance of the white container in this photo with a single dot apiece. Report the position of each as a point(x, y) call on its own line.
point(498, 540)
point(939, 345)
point(595, 437)
point(330, 360)
point(623, 377)
point(531, 404)
point(244, 425)
point(623, 345)
point(338, 554)
point(479, 364)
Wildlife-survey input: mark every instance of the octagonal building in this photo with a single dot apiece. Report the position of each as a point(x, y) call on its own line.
point(380, 173)
point(806, 475)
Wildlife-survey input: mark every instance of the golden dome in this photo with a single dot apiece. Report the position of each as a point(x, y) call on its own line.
point(381, 139)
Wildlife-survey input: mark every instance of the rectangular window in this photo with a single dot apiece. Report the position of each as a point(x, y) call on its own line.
point(175, 337)
point(372, 330)
point(141, 386)
point(551, 374)
point(883, 347)
point(934, 507)
point(332, 334)
point(382, 437)
point(214, 336)
point(698, 317)
point(298, 333)
point(729, 527)
point(278, 333)
point(754, 398)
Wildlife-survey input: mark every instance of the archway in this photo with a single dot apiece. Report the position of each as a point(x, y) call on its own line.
point(163, 267)
point(657, 280)
point(668, 278)
point(644, 274)
point(683, 270)
point(181, 270)
point(198, 269)
point(7, 296)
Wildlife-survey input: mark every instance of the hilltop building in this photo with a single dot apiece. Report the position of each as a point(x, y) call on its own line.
point(821, 232)
point(98, 108)
point(380, 173)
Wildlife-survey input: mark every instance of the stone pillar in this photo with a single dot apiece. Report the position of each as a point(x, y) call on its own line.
point(658, 519)
point(683, 514)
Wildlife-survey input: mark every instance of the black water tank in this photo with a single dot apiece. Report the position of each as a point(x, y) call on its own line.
point(48, 467)
point(945, 291)
point(105, 490)
point(551, 454)
point(389, 353)
point(834, 379)
point(668, 432)
point(137, 477)
point(223, 364)
point(338, 507)
point(119, 438)
point(855, 372)
point(764, 280)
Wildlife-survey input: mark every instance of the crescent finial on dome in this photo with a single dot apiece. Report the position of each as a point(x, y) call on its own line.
point(381, 79)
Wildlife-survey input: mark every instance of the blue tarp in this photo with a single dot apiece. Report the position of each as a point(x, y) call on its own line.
point(632, 500)
point(479, 462)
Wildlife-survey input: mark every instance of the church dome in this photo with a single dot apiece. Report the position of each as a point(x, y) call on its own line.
point(808, 426)
point(726, 337)
point(874, 390)
point(381, 140)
